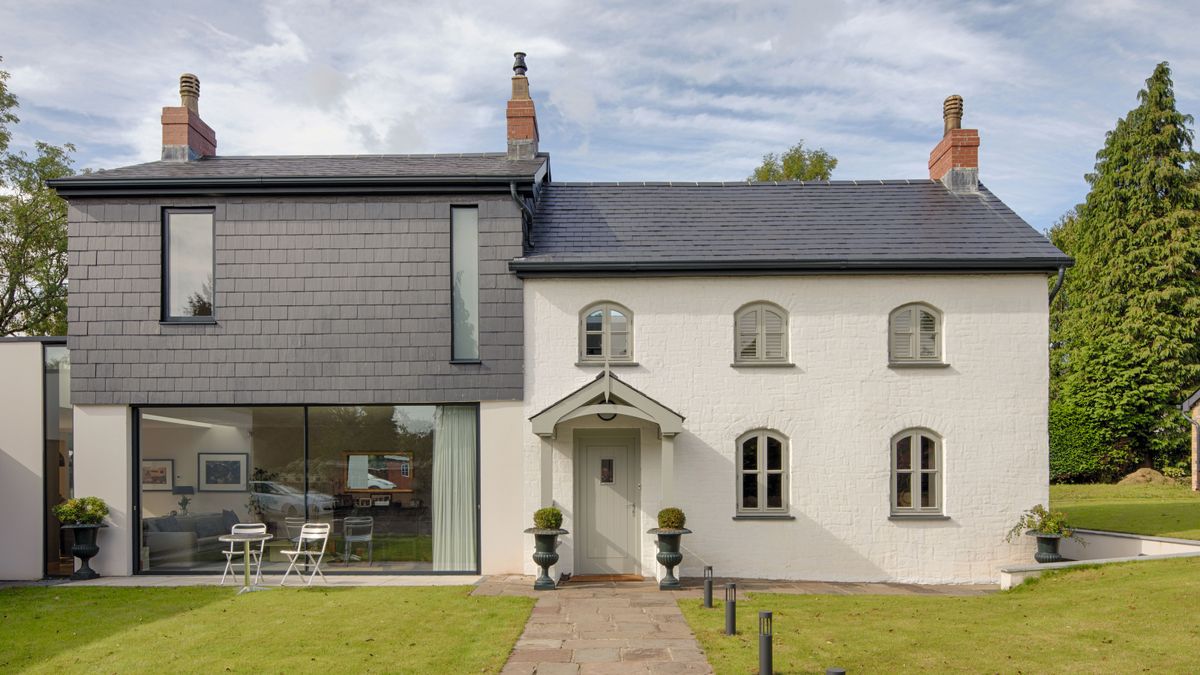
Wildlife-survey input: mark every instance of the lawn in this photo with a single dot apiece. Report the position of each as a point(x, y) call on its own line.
point(1125, 618)
point(210, 629)
point(1162, 510)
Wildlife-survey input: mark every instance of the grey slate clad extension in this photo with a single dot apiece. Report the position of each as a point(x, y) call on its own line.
point(597, 228)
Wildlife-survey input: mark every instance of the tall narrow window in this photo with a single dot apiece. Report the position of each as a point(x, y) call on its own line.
point(606, 333)
point(762, 468)
point(188, 265)
point(915, 335)
point(464, 282)
point(916, 473)
point(761, 334)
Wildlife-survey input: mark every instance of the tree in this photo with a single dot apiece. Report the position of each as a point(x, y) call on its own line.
point(33, 233)
point(795, 163)
point(1126, 334)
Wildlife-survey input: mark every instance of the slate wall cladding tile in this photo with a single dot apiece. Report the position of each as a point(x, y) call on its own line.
point(319, 300)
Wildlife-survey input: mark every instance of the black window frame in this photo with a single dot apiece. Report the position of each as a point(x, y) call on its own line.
point(165, 315)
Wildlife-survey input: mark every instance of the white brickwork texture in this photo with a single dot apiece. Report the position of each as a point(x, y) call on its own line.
point(839, 406)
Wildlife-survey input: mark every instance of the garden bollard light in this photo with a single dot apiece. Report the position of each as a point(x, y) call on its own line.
point(765, 631)
point(731, 609)
point(708, 586)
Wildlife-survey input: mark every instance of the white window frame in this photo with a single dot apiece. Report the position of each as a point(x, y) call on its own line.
point(914, 310)
point(761, 471)
point(915, 470)
point(605, 307)
point(760, 324)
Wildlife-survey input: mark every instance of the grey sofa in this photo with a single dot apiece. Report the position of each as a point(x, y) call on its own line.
point(177, 540)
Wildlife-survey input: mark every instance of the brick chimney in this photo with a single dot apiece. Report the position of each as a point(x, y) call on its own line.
point(522, 118)
point(955, 160)
point(185, 136)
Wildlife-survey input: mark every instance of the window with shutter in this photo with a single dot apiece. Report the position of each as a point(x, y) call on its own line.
point(606, 332)
point(760, 334)
point(915, 334)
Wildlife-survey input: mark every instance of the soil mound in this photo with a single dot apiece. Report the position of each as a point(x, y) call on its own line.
point(1146, 477)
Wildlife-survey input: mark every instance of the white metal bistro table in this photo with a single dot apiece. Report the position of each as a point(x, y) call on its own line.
point(247, 538)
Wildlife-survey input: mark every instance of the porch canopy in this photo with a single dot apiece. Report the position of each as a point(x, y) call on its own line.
point(608, 396)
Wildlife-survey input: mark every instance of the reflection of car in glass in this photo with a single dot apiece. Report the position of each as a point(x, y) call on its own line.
point(285, 500)
point(376, 483)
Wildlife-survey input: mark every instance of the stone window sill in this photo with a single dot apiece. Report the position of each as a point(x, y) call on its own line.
point(761, 364)
point(918, 364)
point(465, 362)
point(917, 516)
point(611, 364)
point(178, 322)
point(764, 516)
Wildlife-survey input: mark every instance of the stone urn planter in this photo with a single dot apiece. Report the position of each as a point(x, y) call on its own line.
point(547, 526)
point(84, 516)
point(668, 553)
point(84, 548)
point(1047, 547)
point(670, 528)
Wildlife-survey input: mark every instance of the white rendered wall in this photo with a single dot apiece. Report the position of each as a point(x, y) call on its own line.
point(839, 406)
point(21, 461)
point(103, 450)
point(501, 519)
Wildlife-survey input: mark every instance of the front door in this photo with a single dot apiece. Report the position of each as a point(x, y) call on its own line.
point(606, 498)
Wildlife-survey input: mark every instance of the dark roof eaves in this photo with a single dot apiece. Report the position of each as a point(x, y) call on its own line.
point(540, 268)
point(79, 187)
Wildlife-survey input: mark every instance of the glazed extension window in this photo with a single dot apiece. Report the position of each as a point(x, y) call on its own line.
point(187, 244)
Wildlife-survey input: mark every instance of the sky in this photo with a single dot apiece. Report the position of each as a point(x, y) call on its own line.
point(624, 90)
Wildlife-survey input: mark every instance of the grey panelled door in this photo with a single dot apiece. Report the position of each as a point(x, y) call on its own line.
point(606, 475)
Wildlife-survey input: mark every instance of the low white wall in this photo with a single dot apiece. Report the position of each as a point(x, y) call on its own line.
point(1101, 548)
point(501, 518)
point(102, 469)
point(21, 462)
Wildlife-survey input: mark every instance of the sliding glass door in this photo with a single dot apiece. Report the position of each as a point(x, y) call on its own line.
point(398, 484)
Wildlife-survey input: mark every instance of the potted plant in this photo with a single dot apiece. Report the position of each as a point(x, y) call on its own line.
point(670, 529)
point(1049, 527)
point(84, 516)
point(547, 525)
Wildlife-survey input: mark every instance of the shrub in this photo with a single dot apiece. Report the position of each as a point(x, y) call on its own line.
point(671, 518)
point(549, 518)
point(82, 511)
point(1041, 521)
point(1178, 473)
point(1079, 452)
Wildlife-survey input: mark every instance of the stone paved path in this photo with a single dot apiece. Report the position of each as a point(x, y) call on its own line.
point(603, 628)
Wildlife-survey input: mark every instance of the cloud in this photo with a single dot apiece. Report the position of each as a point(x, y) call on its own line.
point(625, 90)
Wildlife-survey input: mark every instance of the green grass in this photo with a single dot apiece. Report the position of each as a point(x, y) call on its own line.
point(210, 629)
point(1117, 618)
point(1162, 510)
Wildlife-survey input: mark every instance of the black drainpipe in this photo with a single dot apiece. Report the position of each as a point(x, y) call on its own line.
point(526, 215)
point(1062, 272)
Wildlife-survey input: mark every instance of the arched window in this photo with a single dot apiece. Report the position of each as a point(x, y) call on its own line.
point(762, 473)
point(606, 331)
point(915, 334)
point(916, 472)
point(760, 334)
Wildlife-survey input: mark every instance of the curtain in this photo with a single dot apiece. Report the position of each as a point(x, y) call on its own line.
point(454, 511)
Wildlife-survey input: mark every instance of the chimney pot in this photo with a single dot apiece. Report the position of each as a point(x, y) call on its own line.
point(519, 63)
point(952, 112)
point(189, 92)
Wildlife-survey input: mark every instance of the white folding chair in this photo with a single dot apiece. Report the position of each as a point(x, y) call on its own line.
point(237, 550)
point(310, 535)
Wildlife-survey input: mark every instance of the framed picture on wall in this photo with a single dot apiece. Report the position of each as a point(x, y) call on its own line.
point(158, 475)
point(222, 471)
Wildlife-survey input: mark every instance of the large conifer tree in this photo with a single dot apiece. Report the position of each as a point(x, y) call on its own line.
point(1127, 334)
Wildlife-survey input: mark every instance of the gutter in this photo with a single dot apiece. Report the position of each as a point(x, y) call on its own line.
point(1062, 275)
point(537, 268)
point(85, 187)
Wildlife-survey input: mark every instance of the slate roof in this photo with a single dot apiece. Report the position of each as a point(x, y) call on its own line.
point(292, 170)
point(744, 227)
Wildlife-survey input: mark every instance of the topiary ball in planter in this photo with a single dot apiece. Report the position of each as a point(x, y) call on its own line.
point(549, 518)
point(671, 519)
